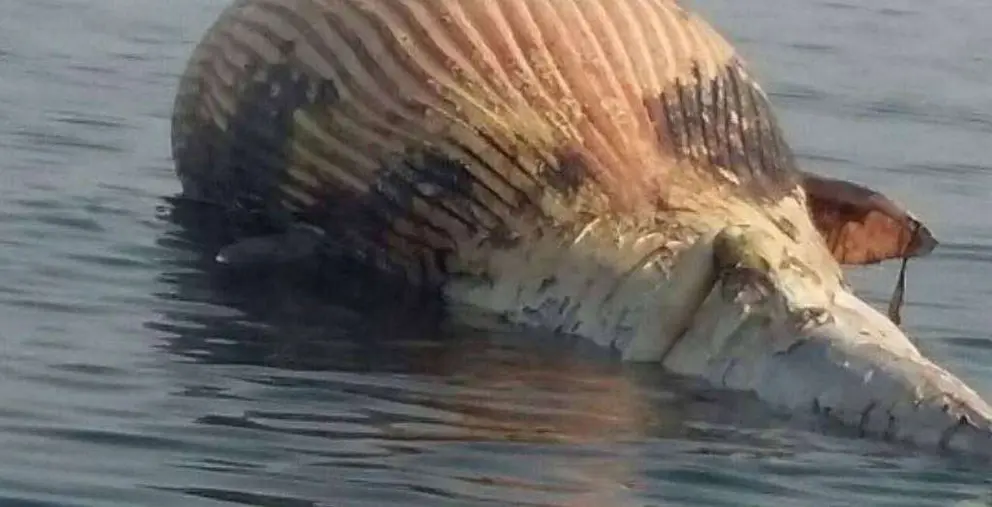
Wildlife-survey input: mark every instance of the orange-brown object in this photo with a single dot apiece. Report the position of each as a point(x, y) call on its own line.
point(862, 226)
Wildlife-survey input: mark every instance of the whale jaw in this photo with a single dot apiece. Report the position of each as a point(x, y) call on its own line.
point(772, 326)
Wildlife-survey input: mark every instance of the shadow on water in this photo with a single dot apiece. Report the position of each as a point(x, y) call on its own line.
point(384, 400)
point(311, 316)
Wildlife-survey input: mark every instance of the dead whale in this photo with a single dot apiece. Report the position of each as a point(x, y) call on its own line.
point(602, 168)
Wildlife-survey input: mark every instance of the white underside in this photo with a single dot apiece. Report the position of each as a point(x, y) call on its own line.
point(657, 296)
point(634, 290)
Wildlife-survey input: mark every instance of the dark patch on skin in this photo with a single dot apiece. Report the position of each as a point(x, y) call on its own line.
point(361, 225)
point(727, 122)
point(731, 133)
point(675, 120)
point(571, 172)
point(528, 198)
point(691, 120)
point(720, 155)
point(788, 228)
point(741, 125)
point(706, 128)
point(240, 168)
point(523, 201)
point(260, 131)
point(367, 219)
point(660, 116)
point(429, 175)
point(502, 237)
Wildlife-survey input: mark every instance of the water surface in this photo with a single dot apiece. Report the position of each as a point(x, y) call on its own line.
point(136, 373)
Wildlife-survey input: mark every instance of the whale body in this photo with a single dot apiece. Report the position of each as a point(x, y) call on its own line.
point(607, 169)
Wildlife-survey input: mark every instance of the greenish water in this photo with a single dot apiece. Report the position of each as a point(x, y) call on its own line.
point(134, 373)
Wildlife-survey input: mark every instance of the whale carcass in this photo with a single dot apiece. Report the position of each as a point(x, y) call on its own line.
point(602, 168)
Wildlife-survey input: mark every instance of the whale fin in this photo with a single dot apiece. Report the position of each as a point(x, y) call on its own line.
point(296, 243)
point(862, 226)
